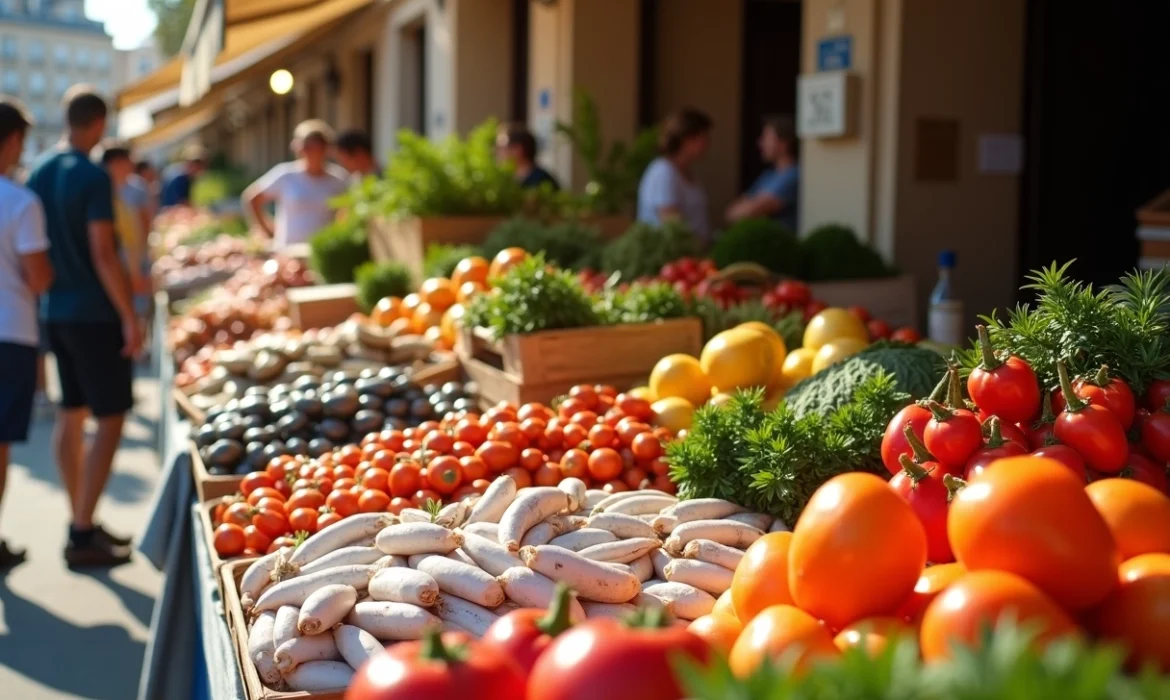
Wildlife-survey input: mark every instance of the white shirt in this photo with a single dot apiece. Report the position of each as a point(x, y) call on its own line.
point(302, 200)
point(22, 232)
point(663, 187)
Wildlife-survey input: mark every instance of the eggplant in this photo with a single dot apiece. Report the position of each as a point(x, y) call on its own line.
point(397, 408)
point(275, 448)
point(320, 446)
point(333, 429)
point(254, 455)
point(205, 435)
point(369, 402)
point(279, 409)
point(390, 372)
point(253, 422)
point(225, 454)
point(421, 408)
point(341, 403)
point(381, 388)
point(443, 407)
point(367, 421)
point(309, 405)
point(230, 428)
point(304, 382)
point(297, 445)
point(463, 404)
point(292, 423)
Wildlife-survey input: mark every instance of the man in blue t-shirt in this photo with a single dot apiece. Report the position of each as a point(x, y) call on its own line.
point(177, 189)
point(516, 145)
point(776, 192)
point(89, 317)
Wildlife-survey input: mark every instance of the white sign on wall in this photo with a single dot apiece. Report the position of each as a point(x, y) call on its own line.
point(824, 105)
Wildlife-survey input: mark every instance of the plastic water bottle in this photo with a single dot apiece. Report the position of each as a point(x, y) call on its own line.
point(945, 319)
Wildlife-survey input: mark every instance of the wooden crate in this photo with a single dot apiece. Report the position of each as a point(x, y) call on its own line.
point(892, 299)
point(541, 366)
point(230, 575)
point(322, 306)
point(446, 370)
point(208, 485)
point(187, 408)
point(205, 510)
point(406, 240)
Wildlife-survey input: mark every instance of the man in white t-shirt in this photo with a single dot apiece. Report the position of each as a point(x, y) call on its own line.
point(25, 272)
point(301, 189)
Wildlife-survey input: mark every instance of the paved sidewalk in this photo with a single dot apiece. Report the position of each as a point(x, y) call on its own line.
point(66, 634)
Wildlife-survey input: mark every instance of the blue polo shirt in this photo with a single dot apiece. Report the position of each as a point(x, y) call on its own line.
point(785, 186)
point(74, 192)
point(177, 190)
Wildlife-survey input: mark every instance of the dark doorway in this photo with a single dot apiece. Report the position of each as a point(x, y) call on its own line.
point(413, 86)
point(367, 68)
point(521, 10)
point(1096, 132)
point(771, 64)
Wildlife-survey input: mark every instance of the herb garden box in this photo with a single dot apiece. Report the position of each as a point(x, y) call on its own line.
point(892, 299)
point(541, 366)
point(208, 485)
point(406, 240)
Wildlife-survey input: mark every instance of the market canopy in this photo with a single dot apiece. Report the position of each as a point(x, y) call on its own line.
point(255, 30)
point(182, 125)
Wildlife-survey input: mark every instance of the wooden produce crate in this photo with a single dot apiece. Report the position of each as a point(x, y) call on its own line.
point(205, 523)
point(406, 240)
point(541, 366)
point(187, 408)
point(322, 305)
point(441, 372)
point(230, 575)
point(208, 485)
point(892, 299)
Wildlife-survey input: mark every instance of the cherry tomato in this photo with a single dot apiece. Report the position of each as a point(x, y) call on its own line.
point(1091, 430)
point(1066, 456)
point(575, 463)
point(636, 478)
point(473, 468)
point(894, 443)
point(444, 474)
point(1003, 386)
point(256, 540)
point(399, 504)
point(995, 447)
point(605, 464)
point(1136, 615)
point(498, 455)
point(952, 435)
point(1158, 395)
point(547, 474)
point(451, 667)
point(327, 518)
point(934, 580)
point(343, 503)
point(521, 476)
point(1155, 432)
point(229, 540)
point(906, 335)
point(1145, 470)
point(266, 492)
point(602, 435)
point(255, 480)
point(404, 479)
point(239, 514)
point(777, 632)
point(373, 501)
point(646, 447)
point(923, 488)
point(303, 519)
point(574, 434)
point(1107, 392)
point(634, 407)
point(305, 498)
point(271, 522)
point(878, 329)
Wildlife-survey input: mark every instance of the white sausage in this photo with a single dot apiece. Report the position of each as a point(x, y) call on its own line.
point(343, 557)
point(489, 555)
point(355, 645)
point(728, 532)
point(285, 627)
point(418, 538)
point(296, 590)
point(317, 676)
point(405, 586)
point(326, 607)
point(540, 533)
point(713, 552)
point(261, 648)
point(495, 500)
point(580, 539)
point(531, 506)
point(259, 576)
point(489, 530)
point(702, 575)
point(299, 650)
point(622, 525)
point(704, 509)
point(575, 488)
point(340, 534)
point(474, 618)
point(590, 579)
point(682, 600)
point(640, 504)
point(533, 590)
point(467, 582)
point(622, 552)
point(389, 621)
point(760, 521)
point(614, 610)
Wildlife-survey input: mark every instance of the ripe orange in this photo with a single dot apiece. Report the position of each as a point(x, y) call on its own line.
point(386, 311)
point(872, 634)
point(761, 579)
point(1137, 613)
point(778, 632)
point(505, 260)
point(1137, 514)
point(720, 631)
point(438, 292)
point(473, 269)
point(469, 289)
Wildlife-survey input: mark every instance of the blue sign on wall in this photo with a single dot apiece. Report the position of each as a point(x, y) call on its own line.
point(835, 53)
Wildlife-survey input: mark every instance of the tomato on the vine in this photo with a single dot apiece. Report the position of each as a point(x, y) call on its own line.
point(444, 474)
point(1111, 393)
point(1158, 395)
point(303, 519)
point(271, 522)
point(1091, 430)
point(524, 634)
point(925, 490)
point(1145, 470)
point(1003, 386)
point(1066, 456)
point(952, 434)
point(894, 443)
point(995, 447)
point(1155, 432)
point(229, 540)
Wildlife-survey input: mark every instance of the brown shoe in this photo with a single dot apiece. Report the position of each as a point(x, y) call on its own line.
point(97, 553)
point(110, 537)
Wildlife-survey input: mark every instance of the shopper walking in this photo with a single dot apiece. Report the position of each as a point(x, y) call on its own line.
point(181, 176)
point(302, 189)
point(132, 223)
point(93, 331)
point(670, 189)
point(25, 272)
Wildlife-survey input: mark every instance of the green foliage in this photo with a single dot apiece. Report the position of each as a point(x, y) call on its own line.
point(453, 177)
point(1006, 666)
point(640, 303)
point(173, 16)
point(773, 462)
point(376, 280)
point(1126, 327)
point(569, 244)
point(717, 319)
point(915, 370)
point(763, 241)
point(336, 251)
point(215, 186)
point(532, 297)
point(832, 252)
point(644, 249)
point(613, 173)
point(440, 259)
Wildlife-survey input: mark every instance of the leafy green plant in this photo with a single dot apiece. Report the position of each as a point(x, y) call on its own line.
point(833, 252)
point(763, 241)
point(376, 280)
point(440, 259)
point(640, 303)
point(336, 251)
point(531, 297)
point(1126, 327)
point(613, 172)
point(645, 248)
point(773, 462)
point(453, 177)
point(915, 370)
point(570, 244)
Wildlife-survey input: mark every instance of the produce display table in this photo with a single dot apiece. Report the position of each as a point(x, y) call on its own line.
point(190, 652)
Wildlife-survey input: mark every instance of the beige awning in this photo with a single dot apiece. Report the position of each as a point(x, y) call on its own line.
point(178, 127)
point(255, 31)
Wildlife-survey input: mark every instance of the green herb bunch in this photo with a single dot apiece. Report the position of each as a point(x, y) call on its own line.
point(440, 259)
point(763, 241)
point(570, 244)
point(336, 251)
point(773, 462)
point(531, 297)
point(717, 319)
point(376, 280)
point(1005, 666)
point(644, 249)
point(1126, 327)
point(833, 252)
point(640, 303)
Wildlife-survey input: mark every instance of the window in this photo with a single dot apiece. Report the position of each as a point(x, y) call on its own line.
point(36, 83)
point(101, 59)
point(61, 55)
point(60, 85)
point(9, 49)
point(36, 51)
point(11, 81)
point(81, 58)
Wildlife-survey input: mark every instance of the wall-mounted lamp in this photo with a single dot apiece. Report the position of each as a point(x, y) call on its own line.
point(281, 82)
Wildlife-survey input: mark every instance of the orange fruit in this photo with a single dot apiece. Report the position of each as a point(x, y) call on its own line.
point(1136, 615)
point(469, 289)
point(872, 634)
point(505, 260)
point(410, 302)
point(473, 269)
point(857, 551)
point(386, 311)
point(738, 358)
point(425, 316)
point(682, 376)
point(980, 599)
point(450, 322)
point(435, 335)
point(1137, 514)
point(781, 631)
point(673, 413)
point(724, 605)
point(720, 631)
point(934, 580)
point(438, 292)
point(761, 579)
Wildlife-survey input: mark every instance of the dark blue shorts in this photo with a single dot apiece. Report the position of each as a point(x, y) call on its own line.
point(18, 384)
point(91, 368)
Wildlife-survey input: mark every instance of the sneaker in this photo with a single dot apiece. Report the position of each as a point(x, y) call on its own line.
point(110, 537)
point(97, 553)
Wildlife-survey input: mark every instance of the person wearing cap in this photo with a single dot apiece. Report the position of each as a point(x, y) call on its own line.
point(177, 190)
point(355, 153)
point(302, 189)
point(516, 145)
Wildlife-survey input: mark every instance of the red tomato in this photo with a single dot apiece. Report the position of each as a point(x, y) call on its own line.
point(266, 492)
point(605, 464)
point(399, 504)
point(271, 522)
point(995, 447)
point(575, 463)
point(279, 542)
point(1145, 470)
point(373, 501)
point(792, 292)
point(523, 635)
point(255, 480)
point(229, 540)
point(376, 478)
point(1155, 430)
point(924, 489)
point(239, 514)
point(344, 503)
point(405, 479)
point(894, 442)
point(1106, 392)
point(952, 435)
point(531, 459)
point(604, 659)
point(326, 519)
point(1066, 456)
point(1003, 386)
point(1091, 430)
point(444, 474)
point(860, 313)
point(646, 447)
point(498, 455)
point(906, 335)
point(256, 539)
point(878, 329)
point(602, 435)
point(305, 498)
point(473, 468)
point(1158, 395)
point(813, 308)
point(451, 667)
point(422, 496)
point(303, 519)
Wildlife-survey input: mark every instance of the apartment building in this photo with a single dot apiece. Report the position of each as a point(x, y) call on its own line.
point(46, 46)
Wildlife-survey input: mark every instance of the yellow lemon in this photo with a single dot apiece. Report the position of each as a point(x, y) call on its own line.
point(682, 376)
point(779, 349)
point(641, 392)
point(737, 358)
point(673, 413)
point(834, 352)
point(833, 324)
point(798, 365)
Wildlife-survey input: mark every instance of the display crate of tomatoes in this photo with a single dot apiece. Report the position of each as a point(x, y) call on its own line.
point(209, 486)
point(538, 367)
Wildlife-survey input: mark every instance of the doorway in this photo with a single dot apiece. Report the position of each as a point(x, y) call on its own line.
point(413, 78)
point(772, 32)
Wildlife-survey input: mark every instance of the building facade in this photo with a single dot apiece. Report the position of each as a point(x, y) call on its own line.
point(46, 46)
